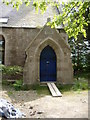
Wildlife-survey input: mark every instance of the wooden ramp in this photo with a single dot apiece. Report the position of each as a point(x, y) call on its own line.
point(54, 90)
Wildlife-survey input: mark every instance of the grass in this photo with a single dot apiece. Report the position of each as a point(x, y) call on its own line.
point(38, 88)
point(41, 89)
point(18, 85)
point(10, 93)
point(80, 83)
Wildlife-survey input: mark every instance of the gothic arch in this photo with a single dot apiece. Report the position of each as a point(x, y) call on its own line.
point(58, 52)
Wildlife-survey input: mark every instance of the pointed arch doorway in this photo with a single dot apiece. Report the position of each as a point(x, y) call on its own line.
point(48, 65)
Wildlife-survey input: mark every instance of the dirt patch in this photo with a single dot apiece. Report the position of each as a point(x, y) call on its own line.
point(70, 105)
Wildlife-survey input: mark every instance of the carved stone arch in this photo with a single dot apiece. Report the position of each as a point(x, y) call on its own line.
point(59, 55)
point(32, 64)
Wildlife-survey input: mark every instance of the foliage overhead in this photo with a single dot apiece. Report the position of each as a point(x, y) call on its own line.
point(72, 16)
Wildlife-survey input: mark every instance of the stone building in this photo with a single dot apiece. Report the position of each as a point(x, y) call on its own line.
point(27, 41)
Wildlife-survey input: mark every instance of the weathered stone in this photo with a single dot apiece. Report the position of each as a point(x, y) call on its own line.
point(23, 46)
point(34, 49)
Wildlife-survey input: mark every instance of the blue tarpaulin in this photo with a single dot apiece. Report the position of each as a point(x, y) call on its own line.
point(7, 110)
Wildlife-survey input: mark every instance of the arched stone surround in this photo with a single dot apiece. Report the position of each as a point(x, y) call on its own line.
point(35, 73)
point(59, 56)
point(31, 72)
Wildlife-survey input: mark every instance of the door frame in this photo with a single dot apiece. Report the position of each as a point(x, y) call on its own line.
point(52, 43)
point(54, 55)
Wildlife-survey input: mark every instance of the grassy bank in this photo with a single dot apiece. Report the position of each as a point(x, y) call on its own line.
point(80, 83)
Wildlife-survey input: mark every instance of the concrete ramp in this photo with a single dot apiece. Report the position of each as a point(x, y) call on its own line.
point(54, 90)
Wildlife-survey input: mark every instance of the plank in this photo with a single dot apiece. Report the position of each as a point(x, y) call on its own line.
point(56, 90)
point(52, 90)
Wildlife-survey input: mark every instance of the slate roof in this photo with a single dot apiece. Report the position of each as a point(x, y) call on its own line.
point(26, 16)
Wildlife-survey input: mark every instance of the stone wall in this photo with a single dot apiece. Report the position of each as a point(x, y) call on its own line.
point(23, 47)
point(51, 37)
point(16, 41)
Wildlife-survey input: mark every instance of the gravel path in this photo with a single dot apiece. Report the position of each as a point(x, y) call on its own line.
point(70, 105)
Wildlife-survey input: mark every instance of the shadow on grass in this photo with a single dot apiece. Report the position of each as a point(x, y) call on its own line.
point(80, 83)
point(24, 94)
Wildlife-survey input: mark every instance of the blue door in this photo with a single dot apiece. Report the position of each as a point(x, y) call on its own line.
point(48, 65)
